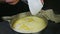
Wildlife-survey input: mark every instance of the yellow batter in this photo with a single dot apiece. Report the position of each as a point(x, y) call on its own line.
point(30, 24)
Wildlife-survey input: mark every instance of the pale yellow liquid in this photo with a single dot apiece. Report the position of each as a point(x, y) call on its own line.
point(30, 24)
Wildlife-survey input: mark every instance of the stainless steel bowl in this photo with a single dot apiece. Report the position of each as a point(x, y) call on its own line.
point(14, 19)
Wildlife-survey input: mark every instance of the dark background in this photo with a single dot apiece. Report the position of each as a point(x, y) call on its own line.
point(52, 4)
point(52, 27)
